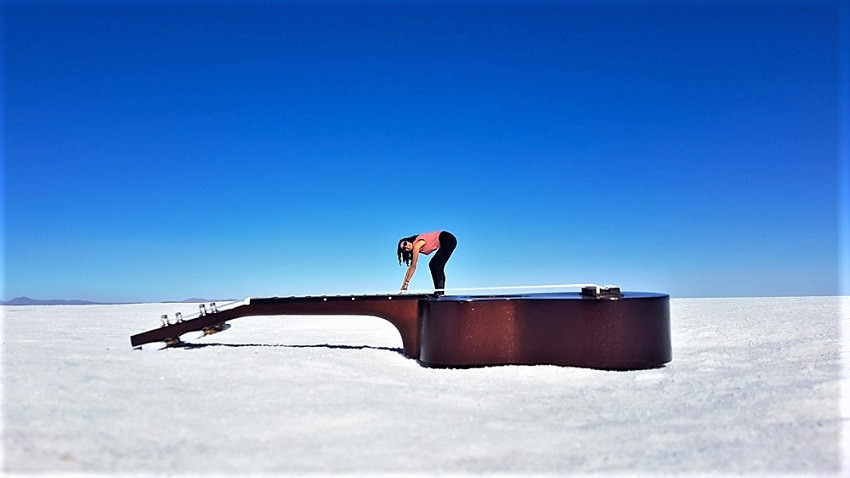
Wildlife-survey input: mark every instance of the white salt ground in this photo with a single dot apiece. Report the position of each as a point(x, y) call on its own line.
point(755, 387)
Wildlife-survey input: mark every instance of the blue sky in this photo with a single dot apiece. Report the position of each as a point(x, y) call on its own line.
point(166, 150)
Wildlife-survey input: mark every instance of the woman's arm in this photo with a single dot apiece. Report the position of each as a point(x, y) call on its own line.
point(412, 267)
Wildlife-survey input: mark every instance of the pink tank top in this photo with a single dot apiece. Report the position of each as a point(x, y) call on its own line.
point(432, 242)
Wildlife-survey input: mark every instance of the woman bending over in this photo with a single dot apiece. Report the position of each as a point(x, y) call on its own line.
point(409, 249)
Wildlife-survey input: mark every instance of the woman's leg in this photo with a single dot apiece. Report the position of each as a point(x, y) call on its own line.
point(448, 242)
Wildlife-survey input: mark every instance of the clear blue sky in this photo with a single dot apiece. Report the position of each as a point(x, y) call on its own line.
point(166, 150)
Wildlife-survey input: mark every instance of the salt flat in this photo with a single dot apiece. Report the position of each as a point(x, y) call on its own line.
point(755, 387)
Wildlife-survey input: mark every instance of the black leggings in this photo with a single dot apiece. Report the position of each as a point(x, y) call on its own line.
point(448, 242)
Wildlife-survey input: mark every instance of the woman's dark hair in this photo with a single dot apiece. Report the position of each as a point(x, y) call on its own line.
point(403, 255)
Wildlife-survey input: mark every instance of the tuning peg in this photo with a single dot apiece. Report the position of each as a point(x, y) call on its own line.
point(178, 317)
point(164, 319)
point(213, 308)
point(203, 309)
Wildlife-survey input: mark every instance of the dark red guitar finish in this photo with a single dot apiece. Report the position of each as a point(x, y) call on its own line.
point(614, 332)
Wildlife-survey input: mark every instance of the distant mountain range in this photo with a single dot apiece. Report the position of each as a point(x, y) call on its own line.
point(29, 301)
